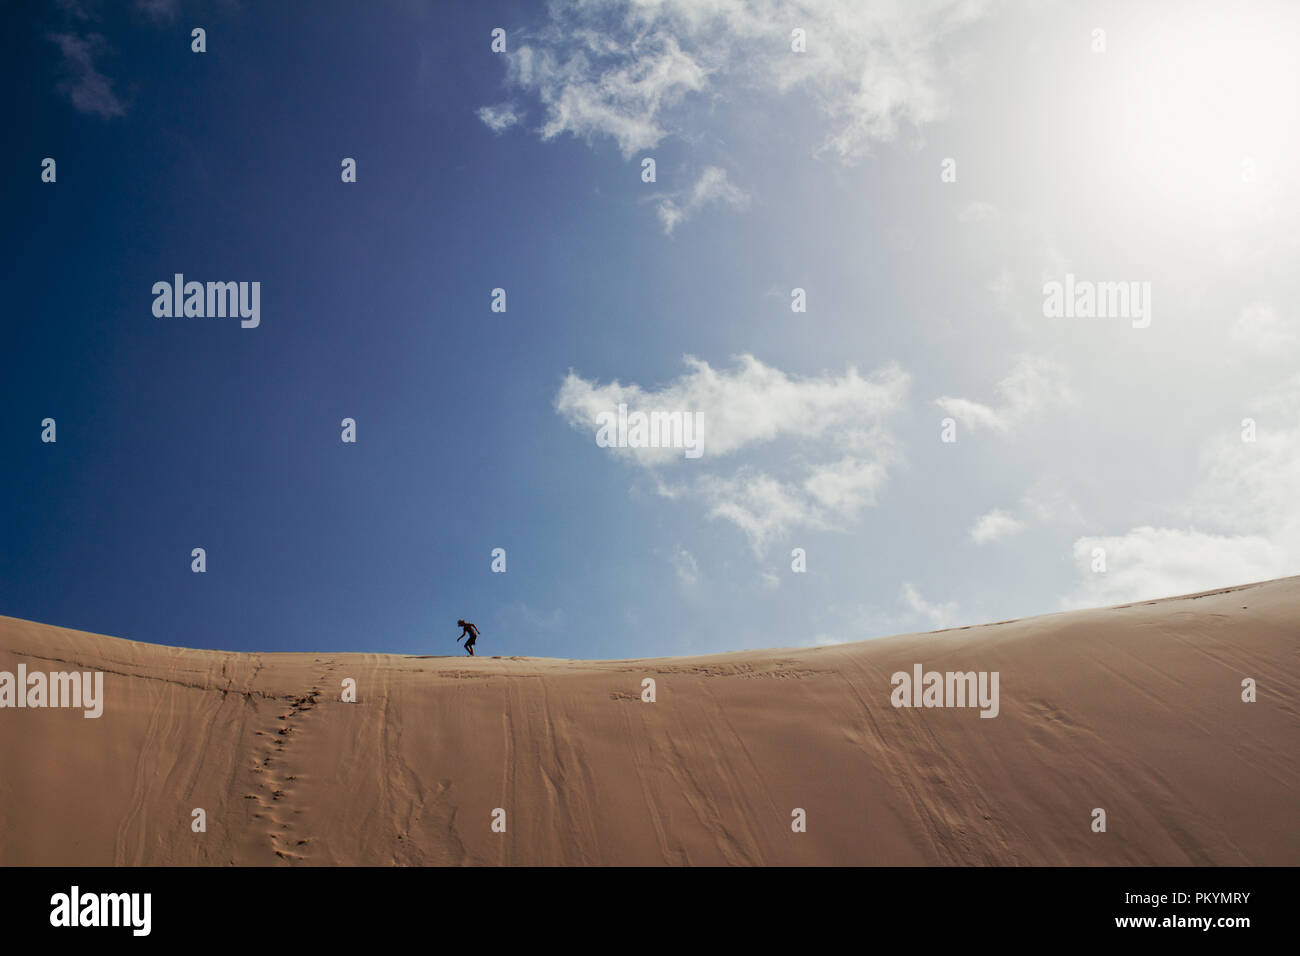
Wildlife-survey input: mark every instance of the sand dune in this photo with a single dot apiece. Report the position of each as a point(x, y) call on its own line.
point(1134, 709)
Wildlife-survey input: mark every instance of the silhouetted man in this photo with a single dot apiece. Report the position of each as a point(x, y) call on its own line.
point(472, 631)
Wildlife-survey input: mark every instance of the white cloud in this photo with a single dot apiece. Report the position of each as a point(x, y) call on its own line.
point(1045, 503)
point(1243, 521)
point(499, 118)
point(627, 69)
point(751, 404)
point(873, 68)
point(89, 90)
point(836, 423)
point(1033, 385)
point(846, 486)
point(594, 85)
point(938, 616)
point(1151, 562)
point(758, 504)
point(765, 508)
point(994, 525)
point(711, 187)
point(685, 567)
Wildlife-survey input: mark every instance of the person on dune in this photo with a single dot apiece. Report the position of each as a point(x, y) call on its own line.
point(472, 631)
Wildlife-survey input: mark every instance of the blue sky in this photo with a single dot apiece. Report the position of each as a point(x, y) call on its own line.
point(1168, 157)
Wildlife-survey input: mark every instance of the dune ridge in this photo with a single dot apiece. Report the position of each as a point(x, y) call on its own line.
point(1135, 709)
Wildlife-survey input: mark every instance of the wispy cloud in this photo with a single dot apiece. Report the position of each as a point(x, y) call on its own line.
point(1045, 503)
point(1033, 385)
point(1152, 562)
point(593, 85)
point(752, 403)
point(711, 187)
point(89, 90)
point(936, 616)
point(836, 422)
point(764, 508)
point(629, 69)
point(499, 118)
point(995, 525)
point(1241, 524)
point(685, 567)
point(163, 11)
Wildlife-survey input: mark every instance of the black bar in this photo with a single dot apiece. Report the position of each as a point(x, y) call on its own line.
point(623, 907)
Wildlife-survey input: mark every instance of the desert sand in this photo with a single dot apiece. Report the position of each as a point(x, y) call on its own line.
point(1134, 709)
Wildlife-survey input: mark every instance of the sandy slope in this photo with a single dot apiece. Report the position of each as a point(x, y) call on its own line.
point(1134, 709)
